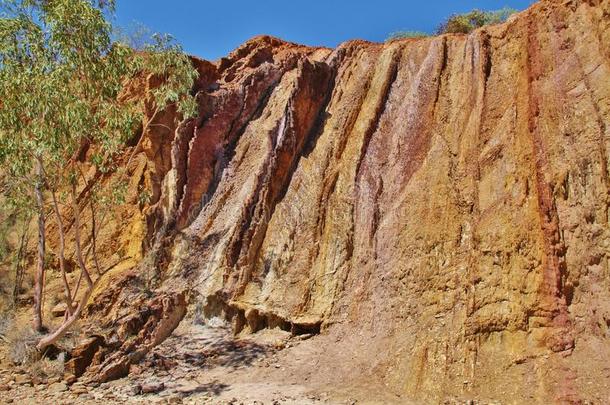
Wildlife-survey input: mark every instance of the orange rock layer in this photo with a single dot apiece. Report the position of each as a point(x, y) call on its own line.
point(441, 204)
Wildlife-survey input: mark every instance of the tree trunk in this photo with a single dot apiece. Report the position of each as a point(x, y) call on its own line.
point(77, 241)
point(61, 331)
point(62, 255)
point(39, 278)
point(19, 260)
point(94, 239)
point(69, 321)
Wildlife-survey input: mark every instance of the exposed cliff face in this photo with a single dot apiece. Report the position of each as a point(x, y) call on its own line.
point(439, 207)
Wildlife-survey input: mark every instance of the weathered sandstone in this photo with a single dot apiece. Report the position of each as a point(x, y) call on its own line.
point(438, 206)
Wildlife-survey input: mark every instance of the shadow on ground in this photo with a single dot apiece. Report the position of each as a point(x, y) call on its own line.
point(214, 388)
point(215, 348)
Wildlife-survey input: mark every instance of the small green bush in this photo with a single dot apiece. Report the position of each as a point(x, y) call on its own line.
point(468, 22)
point(406, 34)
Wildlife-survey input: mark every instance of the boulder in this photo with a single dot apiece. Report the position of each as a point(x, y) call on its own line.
point(83, 354)
point(59, 310)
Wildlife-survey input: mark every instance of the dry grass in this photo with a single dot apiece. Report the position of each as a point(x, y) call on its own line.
point(47, 368)
point(6, 322)
point(21, 340)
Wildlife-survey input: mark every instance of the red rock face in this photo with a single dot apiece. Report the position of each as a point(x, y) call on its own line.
point(441, 204)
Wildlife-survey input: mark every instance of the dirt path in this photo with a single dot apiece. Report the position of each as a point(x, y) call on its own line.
point(199, 365)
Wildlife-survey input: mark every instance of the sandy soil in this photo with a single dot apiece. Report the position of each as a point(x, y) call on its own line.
point(206, 364)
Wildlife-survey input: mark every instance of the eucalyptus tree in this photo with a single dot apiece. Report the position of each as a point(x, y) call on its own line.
point(62, 79)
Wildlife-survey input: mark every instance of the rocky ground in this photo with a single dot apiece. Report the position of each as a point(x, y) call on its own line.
point(198, 364)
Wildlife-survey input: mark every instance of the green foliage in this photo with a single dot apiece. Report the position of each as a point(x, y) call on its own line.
point(62, 74)
point(12, 215)
point(4, 244)
point(144, 196)
point(461, 23)
point(165, 59)
point(406, 34)
point(63, 85)
point(468, 22)
point(137, 36)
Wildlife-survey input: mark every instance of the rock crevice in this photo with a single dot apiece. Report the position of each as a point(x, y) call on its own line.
point(444, 200)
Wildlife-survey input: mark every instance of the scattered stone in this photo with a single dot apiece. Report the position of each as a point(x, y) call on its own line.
point(93, 384)
point(175, 399)
point(70, 379)
point(5, 387)
point(153, 325)
point(22, 379)
point(37, 380)
point(59, 310)
point(58, 387)
point(79, 390)
point(152, 388)
point(135, 369)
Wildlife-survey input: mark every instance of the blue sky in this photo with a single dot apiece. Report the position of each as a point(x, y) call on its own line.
point(211, 29)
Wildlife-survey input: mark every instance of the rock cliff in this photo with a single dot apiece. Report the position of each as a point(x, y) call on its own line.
point(437, 209)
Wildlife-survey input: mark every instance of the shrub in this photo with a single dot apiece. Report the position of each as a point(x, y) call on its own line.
point(22, 343)
point(47, 368)
point(468, 22)
point(406, 34)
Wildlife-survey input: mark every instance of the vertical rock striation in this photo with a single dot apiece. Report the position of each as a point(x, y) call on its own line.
point(445, 198)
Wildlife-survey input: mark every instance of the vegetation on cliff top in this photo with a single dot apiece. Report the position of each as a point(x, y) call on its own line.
point(468, 22)
point(407, 34)
point(461, 23)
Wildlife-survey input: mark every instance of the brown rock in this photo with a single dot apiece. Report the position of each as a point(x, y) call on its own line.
point(57, 387)
point(152, 388)
point(135, 370)
point(82, 355)
point(22, 379)
point(154, 323)
point(36, 380)
point(79, 388)
point(59, 310)
point(440, 203)
point(70, 379)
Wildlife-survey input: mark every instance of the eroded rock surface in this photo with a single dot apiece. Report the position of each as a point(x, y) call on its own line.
point(441, 204)
point(150, 322)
